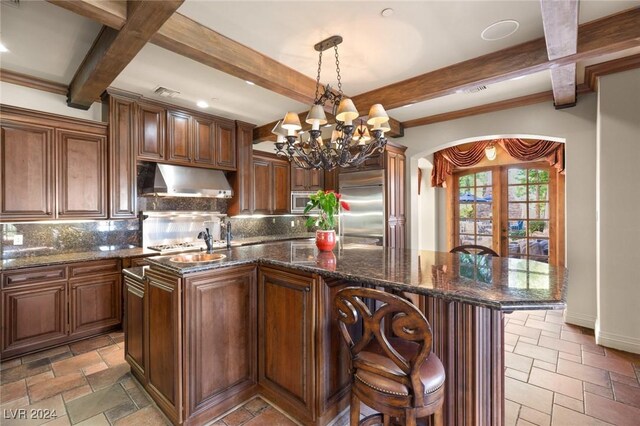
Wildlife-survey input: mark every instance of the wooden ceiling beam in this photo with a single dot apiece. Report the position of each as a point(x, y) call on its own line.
point(112, 13)
point(592, 72)
point(596, 38)
point(114, 49)
point(560, 23)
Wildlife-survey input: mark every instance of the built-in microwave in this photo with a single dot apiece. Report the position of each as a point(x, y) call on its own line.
point(299, 200)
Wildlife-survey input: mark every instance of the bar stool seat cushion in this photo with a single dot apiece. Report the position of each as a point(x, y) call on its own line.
point(432, 372)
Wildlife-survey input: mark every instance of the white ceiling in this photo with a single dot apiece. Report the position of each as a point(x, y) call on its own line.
point(44, 40)
point(49, 42)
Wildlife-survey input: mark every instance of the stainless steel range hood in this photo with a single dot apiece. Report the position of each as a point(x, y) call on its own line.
point(179, 181)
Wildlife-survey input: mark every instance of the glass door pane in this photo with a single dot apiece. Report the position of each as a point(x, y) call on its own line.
point(475, 209)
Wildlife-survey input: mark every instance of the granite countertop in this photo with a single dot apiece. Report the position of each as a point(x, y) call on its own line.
point(116, 252)
point(501, 283)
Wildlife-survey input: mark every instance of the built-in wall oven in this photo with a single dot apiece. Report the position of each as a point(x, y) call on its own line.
point(299, 200)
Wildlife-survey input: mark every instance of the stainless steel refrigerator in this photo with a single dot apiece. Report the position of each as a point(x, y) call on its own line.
point(364, 191)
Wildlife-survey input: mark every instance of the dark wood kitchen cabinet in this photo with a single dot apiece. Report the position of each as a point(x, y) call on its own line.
point(306, 180)
point(204, 141)
point(59, 165)
point(179, 138)
point(394, 159)
point(271, 183)
point(51, 305)
point(136, 344)
point(150, 131)
point(26, 171)
point(82, 175)
point(225, 144)
point(242, 180)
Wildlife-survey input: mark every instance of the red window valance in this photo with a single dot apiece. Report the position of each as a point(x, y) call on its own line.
point(446, 160)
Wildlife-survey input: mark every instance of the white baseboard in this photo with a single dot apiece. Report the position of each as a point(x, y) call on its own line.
point(617, 341)
point(583, 320)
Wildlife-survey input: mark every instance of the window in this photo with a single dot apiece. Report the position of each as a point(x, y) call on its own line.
point(475, 217)
point(514, 209)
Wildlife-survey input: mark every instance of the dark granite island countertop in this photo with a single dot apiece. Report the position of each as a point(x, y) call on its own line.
point(498, 283)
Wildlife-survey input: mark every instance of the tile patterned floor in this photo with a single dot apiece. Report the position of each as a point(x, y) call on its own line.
point(555, 375)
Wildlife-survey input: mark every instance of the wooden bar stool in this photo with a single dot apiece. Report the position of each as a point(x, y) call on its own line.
point(473, 249)
point(396, 375)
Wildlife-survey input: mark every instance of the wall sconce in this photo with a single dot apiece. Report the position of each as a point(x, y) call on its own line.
point(490, 152)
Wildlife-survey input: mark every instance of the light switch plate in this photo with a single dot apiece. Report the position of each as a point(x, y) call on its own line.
point(17, 240)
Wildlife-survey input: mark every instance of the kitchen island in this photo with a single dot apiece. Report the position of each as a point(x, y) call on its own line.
point(204, 337)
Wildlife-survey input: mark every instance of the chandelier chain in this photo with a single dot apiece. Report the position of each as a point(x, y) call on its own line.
point(318, 77)
point(337, 69)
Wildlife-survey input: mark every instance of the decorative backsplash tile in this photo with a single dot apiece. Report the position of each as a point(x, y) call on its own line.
point(250, 227)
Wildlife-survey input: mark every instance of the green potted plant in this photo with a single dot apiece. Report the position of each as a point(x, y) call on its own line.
point(329, 204)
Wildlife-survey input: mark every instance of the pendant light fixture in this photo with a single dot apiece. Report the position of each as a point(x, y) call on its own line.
point(351, 142)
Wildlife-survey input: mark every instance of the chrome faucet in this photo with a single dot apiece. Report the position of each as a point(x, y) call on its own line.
point(227, 232)
point(206, 236)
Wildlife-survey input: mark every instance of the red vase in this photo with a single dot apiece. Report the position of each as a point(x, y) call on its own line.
point(326, 260)
point(325, 240)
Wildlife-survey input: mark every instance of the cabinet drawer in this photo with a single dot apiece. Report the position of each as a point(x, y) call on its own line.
point(94, 268)
point(34, 275)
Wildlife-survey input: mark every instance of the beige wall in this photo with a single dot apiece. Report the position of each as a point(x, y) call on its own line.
point(24, 97)
point(577, 128)
point(618, 205)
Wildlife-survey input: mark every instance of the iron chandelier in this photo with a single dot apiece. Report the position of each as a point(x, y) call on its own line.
point(351, 142)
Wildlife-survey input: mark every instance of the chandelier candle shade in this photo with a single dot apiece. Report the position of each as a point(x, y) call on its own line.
point(350, 144)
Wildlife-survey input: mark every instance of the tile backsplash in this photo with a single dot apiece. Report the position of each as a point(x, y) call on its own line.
point(251, 227)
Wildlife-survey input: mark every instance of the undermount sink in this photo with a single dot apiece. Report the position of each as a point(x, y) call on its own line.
point(196, 258)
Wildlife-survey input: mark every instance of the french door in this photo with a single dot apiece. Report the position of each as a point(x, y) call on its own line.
point(517, 210)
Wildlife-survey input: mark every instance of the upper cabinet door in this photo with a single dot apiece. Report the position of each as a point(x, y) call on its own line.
point(298, 178)
point(82, 175)
point(26, 171)
point(204, 142)
point(151, 129)
point(178, 137)
point(315, 179)
point(122, 159)
point(262, 184)
point(226, 145)
point(281, 191)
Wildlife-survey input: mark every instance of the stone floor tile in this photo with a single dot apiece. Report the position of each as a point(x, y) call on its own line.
point(535, 417)
point(60, 357)
point(522, 331)
point(129, 382)
point(114, 357)
point(627, 380)
point(544, 365)
point(510, 339)
point(16, 403)
point(553, 334)
point(537, 313)
point(148, 416)
point(568, 402)
point(583, 372)
point(511, 412)
point(592, 348)
point(543, 354)
point(97, 420)
point(139, 396)
point(516, 322)
point(554, 319)
point(598, 390)
point(10, 364)
point(88, 406)
point(47, 375)
point(611, 411)
point(76, 393)
point(48, 388)
point(572, 328)
point(90, 344)
point(518, 362)
point(45, 354)
point(622, 355)
point(271, 417)
point(528, 340)
point(556, 383)
point(529, 395)
point(256, 405)
point(76, 363)
point(54, 407)
point(626, 394)
point(12, 391)
point(237, 417)
point(565, 417)
point(616, 365)
point(94, 368)
point(573, 358)
point(60, 421)
point(120, 411)
point(542, 325)
point(519, 315)
point(522, 422)
point(509, 348)
point(516, 374)
point(560, 345)
point(108, 377)
point(577, 338)
point(24, 370)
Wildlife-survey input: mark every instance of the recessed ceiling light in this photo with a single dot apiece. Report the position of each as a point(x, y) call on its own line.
point(387, 12)
point(202, 104)
point(499, 30)
point(250, 83)
point(3, 48)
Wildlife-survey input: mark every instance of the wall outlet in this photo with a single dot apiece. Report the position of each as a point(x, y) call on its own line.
point(293, 223)
point(17, 240)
